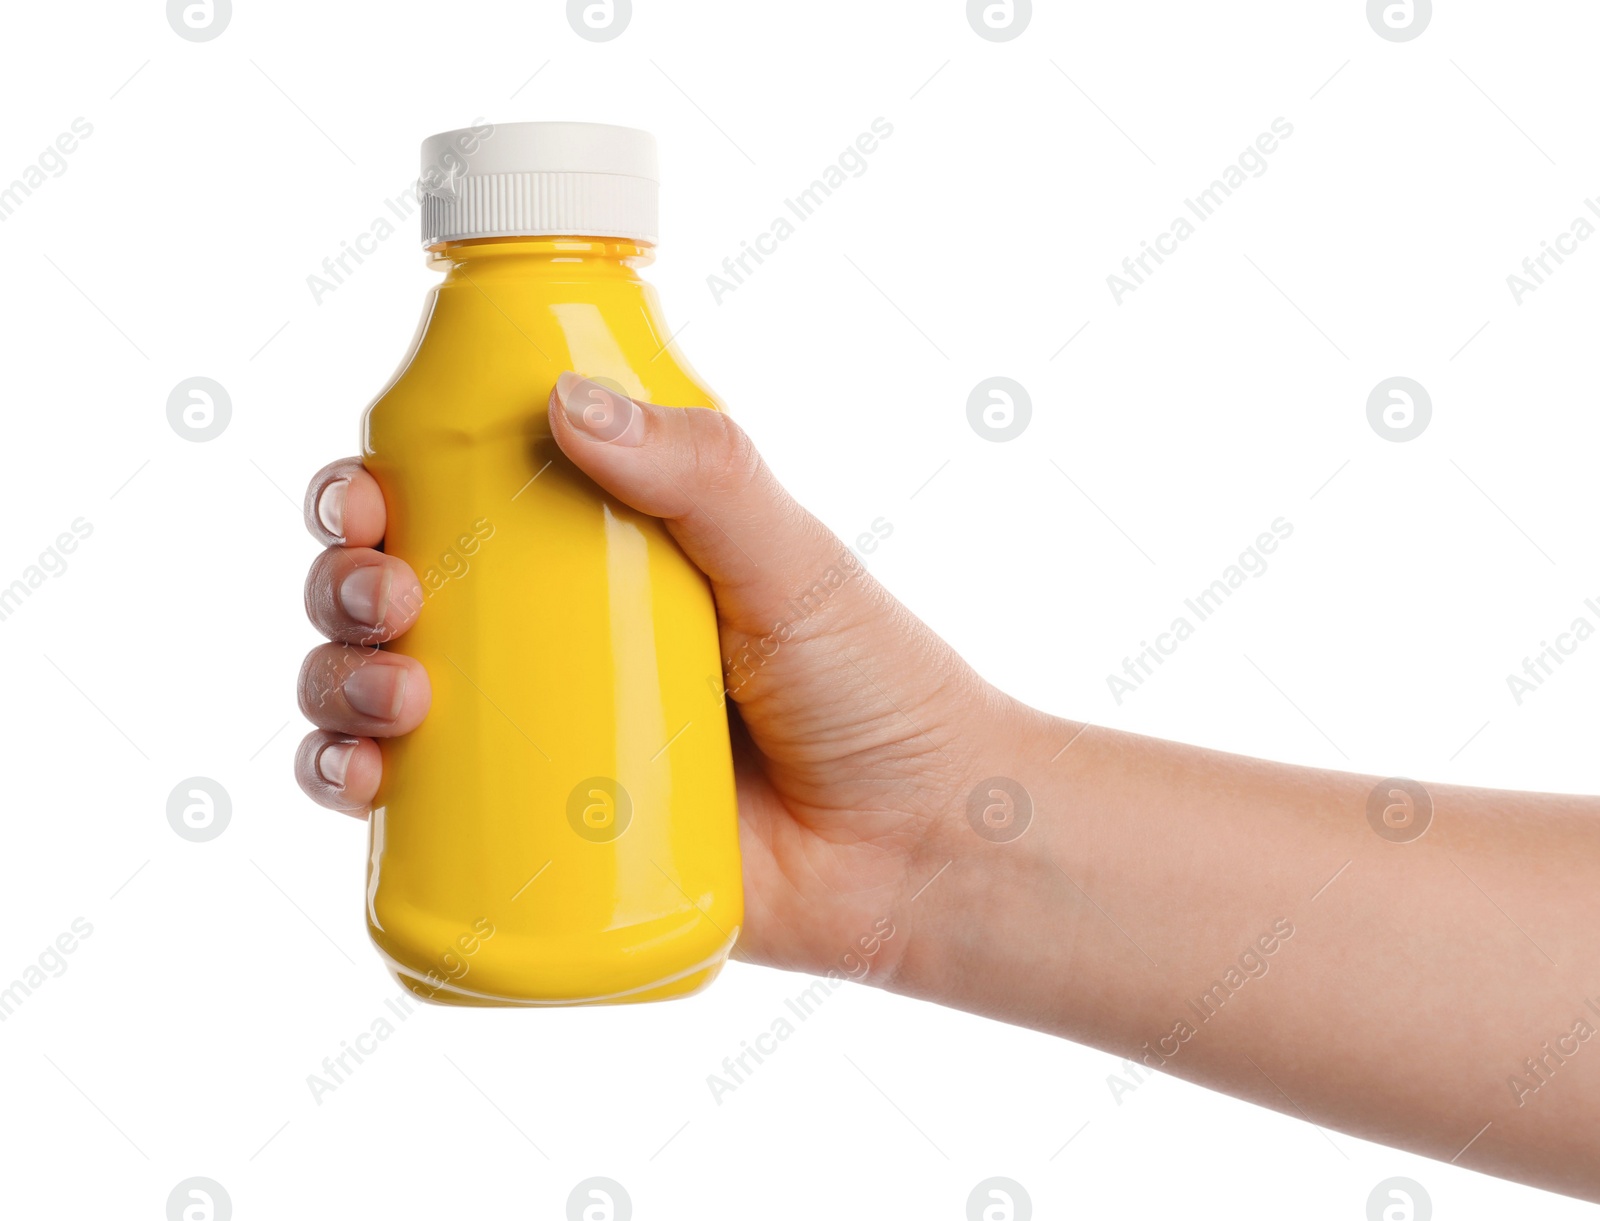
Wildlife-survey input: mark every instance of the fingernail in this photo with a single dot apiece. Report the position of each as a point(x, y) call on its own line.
point(330, 507)
point(565, 384)
point(333, 764)
point(377, 691)
point(364, 594)
point(598, 411)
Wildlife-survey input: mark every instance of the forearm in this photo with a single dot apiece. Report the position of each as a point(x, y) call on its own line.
point(1242, 924)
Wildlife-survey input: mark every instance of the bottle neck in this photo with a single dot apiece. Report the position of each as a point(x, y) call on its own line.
point(585, 257)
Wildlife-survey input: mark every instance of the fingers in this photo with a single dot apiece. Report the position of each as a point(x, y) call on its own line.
point(699, 470)
point(360, 596)
point(344, 506)
point(355, 594)
point(339, 771)
point(363, 692)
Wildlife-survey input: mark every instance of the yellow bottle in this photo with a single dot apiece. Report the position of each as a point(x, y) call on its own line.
point(561, 829)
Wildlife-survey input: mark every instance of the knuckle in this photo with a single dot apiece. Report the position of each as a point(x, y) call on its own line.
point(321, 607)
point(323, 674)
point(313, 686)
point(725, 457)
point(305, 760)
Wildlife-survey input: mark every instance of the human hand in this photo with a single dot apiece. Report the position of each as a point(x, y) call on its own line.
point(1148, 869)
point(852, 721)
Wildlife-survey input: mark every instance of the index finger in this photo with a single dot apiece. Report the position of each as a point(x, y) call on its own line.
point(344, 506)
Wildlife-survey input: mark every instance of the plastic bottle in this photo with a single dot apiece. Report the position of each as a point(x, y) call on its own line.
point(561, 829)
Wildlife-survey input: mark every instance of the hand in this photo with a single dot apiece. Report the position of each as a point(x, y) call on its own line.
point(852, 722)
point(1150, 873)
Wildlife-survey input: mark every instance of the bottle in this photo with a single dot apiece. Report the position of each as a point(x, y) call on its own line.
point(561, 829)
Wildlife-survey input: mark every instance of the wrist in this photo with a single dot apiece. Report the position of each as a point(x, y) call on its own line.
point(982, 900)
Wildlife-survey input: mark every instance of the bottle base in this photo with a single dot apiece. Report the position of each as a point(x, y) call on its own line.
point(695, 980)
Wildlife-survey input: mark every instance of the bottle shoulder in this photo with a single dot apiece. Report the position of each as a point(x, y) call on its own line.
point(487, 361)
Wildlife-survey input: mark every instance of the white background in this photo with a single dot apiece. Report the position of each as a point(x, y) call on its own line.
point(1228, 391)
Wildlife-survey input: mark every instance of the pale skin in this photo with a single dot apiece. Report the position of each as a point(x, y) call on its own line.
point(1419, 978)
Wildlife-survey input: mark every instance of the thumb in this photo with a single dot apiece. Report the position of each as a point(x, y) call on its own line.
point(699, 471)
point(824, 664)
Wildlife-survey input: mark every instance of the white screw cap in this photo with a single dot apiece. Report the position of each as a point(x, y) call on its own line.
point(538, 179)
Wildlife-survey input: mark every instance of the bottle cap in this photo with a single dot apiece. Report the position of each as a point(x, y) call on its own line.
point(538, 179)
